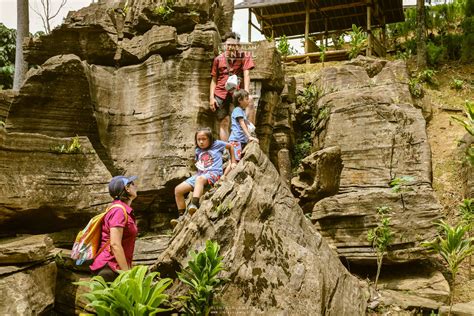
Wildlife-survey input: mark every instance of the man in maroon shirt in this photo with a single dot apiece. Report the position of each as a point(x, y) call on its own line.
point(231, 62)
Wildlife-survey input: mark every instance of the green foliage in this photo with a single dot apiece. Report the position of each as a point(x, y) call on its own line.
point(134, 293)
point(467, 211)
point(457, 84)
point(165, 9)
point(302, 149)
point(415, 87)
point(357, 42)
point(7, 56)
point(73, 147)
point(381, 237)
point(284, 47)
point(468, 124)
point(435, 54)
point(428, 76)
point(2, 123)
point(222, 209)
point(403, 55)
point(452, 245)
point(467, 47)
point(400, 184)
point(201, 277)
point(323, 50)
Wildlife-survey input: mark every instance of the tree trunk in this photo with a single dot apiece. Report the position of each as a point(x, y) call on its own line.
point(22, 31)
point(420, 34)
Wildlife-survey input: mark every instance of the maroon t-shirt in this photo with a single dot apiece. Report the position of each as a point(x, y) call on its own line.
point(116, 218)
point(237, 67)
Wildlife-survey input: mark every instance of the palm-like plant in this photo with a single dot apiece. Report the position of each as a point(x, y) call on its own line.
point(133, 293)
point(453, 247)
point(358, 41)
point(201, 277)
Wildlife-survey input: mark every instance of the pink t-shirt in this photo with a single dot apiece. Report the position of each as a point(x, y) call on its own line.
point(116, 218)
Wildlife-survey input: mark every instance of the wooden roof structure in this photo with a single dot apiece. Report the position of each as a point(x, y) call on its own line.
point(288, 17)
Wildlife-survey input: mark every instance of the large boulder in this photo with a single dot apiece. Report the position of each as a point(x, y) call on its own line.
point(382, 138)
point(29, 292)
point(275, 260)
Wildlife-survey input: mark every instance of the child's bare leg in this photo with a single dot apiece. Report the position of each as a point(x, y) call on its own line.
point(179, 193)
point(227, 170)
point(201, 181)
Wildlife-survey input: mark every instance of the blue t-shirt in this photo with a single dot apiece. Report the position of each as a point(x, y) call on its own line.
point(210, 160)
point(236, 132)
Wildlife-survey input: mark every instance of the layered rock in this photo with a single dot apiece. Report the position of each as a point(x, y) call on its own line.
point(43, 190)
point(274, 259)
point(382, 137)
point(27, 275)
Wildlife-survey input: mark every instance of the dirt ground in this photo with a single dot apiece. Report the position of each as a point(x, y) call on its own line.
point(444, 134)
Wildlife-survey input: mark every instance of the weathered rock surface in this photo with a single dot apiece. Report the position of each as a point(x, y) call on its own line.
point(417, 282)
point(317, 177)
point(382, 136)
point(275, 260)
point(43, 191)
point(406, 300)
point(68, 299)
point(29, 292)
point(460, 309)
point(25, 249)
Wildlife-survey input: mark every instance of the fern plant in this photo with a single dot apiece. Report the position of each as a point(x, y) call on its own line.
point(133, 292)
point(201, 277)
point(452, 245)
point(381, 237)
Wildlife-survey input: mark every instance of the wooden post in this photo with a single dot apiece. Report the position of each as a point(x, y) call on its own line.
point(306, 30)
point(326, 34)
point(250, 26)
point(384, 35)
point(369, 29)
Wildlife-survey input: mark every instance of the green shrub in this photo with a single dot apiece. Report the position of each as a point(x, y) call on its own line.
point(428, 76)
point(467, 211)
point(381, 237)
point(415, 87)
point(357, 42)
point(452, 245)
point(457, 84)
point(284, 47)
point(201, 277)
point(435, 54)
point(133, 292)
point(165, 9)
point(468, 124)
point(73, 147)
point(467, 47)
point(302, 149)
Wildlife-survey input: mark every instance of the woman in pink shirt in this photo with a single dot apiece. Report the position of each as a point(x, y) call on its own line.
point(120, 228)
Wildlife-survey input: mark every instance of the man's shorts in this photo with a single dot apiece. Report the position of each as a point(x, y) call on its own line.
point(223, 106)
point(210, 176)
point(238, 147)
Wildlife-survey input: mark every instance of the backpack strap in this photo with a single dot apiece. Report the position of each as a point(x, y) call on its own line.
point(107, 243)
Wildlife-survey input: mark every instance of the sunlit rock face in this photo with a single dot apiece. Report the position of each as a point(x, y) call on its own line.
point(276, 261)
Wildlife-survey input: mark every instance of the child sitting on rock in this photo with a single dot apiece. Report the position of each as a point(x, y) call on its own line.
point(209, 164)
point(241, 128)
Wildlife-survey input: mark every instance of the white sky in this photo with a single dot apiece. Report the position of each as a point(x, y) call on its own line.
point(8, 17)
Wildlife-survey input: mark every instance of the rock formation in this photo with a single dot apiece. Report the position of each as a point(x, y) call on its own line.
point(382, 138)
point(275, 260)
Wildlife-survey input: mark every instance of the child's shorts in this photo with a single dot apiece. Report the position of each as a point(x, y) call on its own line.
point(210, 176)
point(238, 147)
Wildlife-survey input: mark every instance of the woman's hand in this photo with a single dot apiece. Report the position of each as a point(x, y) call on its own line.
point(212, 104)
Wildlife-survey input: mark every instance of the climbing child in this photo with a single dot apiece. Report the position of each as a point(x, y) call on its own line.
point(209, 164)
point(241, 128)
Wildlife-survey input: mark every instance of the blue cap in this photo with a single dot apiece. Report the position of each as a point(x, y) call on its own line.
point(117, 185)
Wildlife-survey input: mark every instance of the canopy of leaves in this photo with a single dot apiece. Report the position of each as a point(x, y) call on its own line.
point(7, 56)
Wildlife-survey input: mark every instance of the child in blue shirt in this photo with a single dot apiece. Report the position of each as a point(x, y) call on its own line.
point(241, 128)
point(209, 164)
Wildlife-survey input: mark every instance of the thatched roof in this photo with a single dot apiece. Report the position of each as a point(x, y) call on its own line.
point(287, 17)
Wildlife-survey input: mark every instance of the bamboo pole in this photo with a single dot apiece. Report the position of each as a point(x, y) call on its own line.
point(306, 30)
point(250, 26)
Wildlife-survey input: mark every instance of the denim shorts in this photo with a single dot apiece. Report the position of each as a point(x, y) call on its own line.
point(210, 176)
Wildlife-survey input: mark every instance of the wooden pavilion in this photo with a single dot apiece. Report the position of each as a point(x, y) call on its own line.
point(321, 18)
